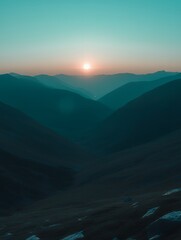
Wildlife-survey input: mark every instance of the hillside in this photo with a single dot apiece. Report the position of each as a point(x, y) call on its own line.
point(148, 167)
point(146, 118)
point(65, 112)
point(35, 162)
point(130, 91)
point(116, 194)
point(25, 138)
point(23, 181)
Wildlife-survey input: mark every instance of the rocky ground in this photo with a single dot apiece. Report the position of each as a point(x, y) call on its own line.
point(119, 218)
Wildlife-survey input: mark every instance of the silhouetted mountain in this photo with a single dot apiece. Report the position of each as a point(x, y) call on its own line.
point(121, 96)
point(34, 161)
point(25, 138)
point(100, 85)
point(148, 117)
point(66, 112)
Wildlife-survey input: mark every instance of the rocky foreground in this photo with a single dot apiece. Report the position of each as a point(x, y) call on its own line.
point(151, 216)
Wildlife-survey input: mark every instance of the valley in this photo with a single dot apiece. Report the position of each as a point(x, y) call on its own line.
point(72, 167)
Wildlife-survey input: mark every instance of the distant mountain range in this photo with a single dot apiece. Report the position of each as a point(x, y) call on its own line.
point(100, 85)
point(58, 83)
point(97, 86)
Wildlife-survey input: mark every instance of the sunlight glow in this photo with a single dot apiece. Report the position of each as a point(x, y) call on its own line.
point(87, 66)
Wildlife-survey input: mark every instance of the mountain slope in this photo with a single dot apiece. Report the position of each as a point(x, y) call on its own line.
point(148, 117)
point(121, 96)
point(34, 161)
point(25, 138)
point(148, 167)
point(23, 181)
point(116, 192)
point(66, 112)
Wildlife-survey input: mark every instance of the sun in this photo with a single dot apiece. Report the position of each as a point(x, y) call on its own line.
point(86, 66)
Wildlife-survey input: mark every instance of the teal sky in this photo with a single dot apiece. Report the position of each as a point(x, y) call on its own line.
point(58, 36)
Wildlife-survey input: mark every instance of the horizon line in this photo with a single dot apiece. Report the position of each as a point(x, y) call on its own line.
point(88, 74)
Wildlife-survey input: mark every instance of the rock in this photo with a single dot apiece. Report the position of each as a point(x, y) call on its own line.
point(150, 212)
point(33, 237)
point(135, 204)
point(172, 216)
point(172, 191)
point(156, 237)
point(57, 225)
point(165, 225)
point(81, 218)
point(78, 235)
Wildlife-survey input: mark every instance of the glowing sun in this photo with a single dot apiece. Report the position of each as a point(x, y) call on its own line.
point(86, 66)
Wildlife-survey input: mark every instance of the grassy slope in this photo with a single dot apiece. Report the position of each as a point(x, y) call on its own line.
point(103, 206)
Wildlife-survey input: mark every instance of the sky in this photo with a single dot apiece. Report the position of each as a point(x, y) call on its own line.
point(59, 36)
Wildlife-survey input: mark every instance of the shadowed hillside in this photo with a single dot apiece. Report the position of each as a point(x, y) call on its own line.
point(23, 181)
point(65, 112)
point(148, 117)
point(22, 136)
point(34, 161)
point(116, 194)
point(149, 167)
point(130, 91)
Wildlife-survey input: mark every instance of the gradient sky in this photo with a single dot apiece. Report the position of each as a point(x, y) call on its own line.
point(58, 36)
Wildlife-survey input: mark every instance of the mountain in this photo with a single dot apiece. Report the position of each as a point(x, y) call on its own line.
point(23, 137)
point(152, 166)
point(35, 162)
point(100, 85)
point(112, 203)
point(55, 82)
point(121, 96)
point(146, 118)
point(65, 112)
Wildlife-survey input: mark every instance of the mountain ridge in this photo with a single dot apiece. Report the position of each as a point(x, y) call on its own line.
point(145, 118)
point(130, 91)
point(64, 112)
